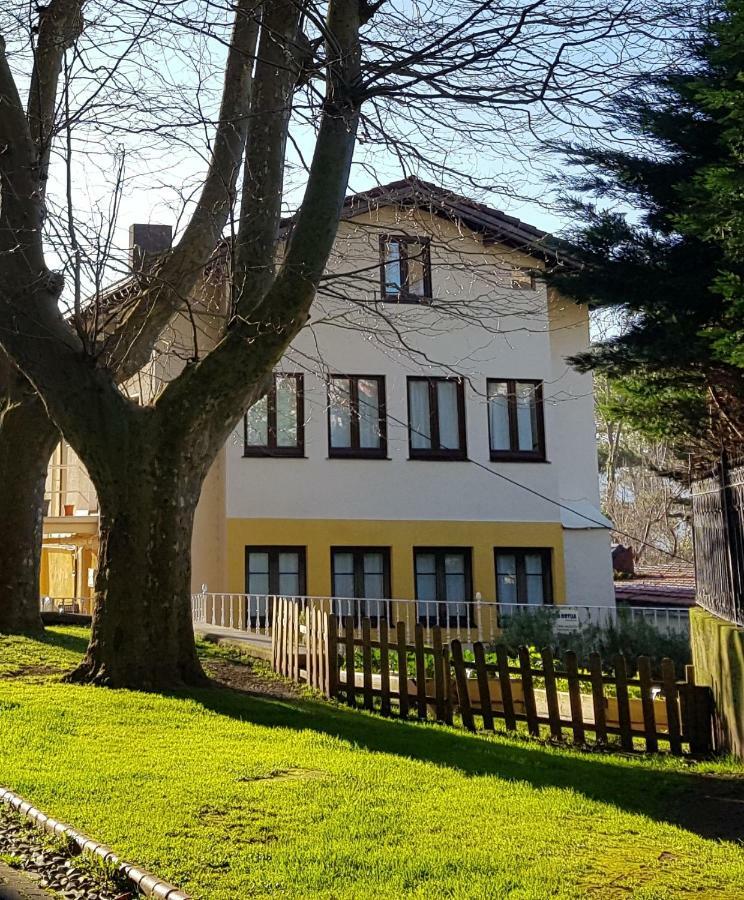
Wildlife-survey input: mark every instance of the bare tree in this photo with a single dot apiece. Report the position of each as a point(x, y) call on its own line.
point(402, 73)
point(644, 483)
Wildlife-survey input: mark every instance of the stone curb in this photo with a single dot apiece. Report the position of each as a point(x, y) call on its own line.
point(149, 884)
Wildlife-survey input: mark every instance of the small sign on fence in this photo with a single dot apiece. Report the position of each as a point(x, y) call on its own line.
point(382, 669)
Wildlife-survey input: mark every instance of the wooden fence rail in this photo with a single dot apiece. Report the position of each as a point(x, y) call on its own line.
point(396, 676)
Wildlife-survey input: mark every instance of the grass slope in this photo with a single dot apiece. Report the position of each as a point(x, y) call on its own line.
point(233, 796)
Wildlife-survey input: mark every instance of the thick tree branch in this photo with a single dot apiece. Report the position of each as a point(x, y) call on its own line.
point(168, 286)
point(277, 70)
point(60, 25)
point(226, 380)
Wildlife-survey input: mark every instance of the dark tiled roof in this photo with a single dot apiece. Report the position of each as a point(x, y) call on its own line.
point(672, 585)
point(493, 224)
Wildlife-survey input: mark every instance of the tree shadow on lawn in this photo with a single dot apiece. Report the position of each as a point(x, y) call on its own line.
point(710, 806)
point(65, 640)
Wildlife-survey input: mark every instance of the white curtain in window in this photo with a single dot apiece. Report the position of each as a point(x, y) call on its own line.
point(506, 578)
point(286, 412)
point(498, 415)
point(420, 420)
point(369, 413)
point(340, 412)
point(257, 431)
point(454, 580)
point(258, 573)
point(343, 574)
point(374, 583)
point(392, 268)
point(449, 426)
point(526, 416)
point(289, 574)
point(416, 268)
point(426, 585)
point(534, 576)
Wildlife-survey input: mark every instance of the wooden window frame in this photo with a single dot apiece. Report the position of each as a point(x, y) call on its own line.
point(520, 552)
point(444, 620)
point(437, 453)
point(358, 553)
point(273, 551)
point(516, 455)
point(354, 451)
point(271, 450)
point(404, 296)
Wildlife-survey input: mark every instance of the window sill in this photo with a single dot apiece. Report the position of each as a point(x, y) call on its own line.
point(407, 299)
point(438, 457)
point(269, 454)
point(518, 458)
point(359, 454)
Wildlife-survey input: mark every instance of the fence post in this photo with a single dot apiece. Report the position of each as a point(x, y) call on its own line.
point(598, 698)
point(384, 666)
point(402, 670)
point(447, 686)
point(647, 704)
point(530, 708)
point(484, 692)
point(623, 704)
point(574, 696)
point(367, 662)
point(420, 670)
point(462, 686)
point(332, 658)
point(436, 635)
point(350, 669)
point(551, 694)
point(672, 705)
point(697, 714)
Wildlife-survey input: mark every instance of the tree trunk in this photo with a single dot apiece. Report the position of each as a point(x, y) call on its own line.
point(142, 634)
point(27, 439)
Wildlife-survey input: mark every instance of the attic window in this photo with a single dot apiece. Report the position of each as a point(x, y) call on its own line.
point(405, 269)
point(522, 280)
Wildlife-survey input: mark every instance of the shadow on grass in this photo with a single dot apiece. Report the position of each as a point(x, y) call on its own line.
point(707, 805)
point(65, 640)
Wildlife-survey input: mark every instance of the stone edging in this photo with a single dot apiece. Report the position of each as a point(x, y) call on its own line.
point(148, 884)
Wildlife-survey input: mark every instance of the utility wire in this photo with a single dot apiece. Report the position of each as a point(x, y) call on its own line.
point(533, 491)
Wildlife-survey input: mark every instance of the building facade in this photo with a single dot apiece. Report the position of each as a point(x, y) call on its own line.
point(424, 437)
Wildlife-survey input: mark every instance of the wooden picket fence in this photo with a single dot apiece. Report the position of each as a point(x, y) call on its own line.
point(399, 677)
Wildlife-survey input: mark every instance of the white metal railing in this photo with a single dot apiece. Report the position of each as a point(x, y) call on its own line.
point(478, 620)
point(66, 604)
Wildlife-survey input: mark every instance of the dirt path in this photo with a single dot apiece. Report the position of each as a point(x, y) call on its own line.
point(15, 885)
point(251, 677)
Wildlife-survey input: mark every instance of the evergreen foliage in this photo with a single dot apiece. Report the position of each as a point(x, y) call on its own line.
point(674, 265)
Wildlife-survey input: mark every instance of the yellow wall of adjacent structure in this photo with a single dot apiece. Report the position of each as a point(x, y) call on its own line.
point(319, 535)
point(57, 574)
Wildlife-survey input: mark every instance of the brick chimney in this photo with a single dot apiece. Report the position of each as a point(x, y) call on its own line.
point(147, 241)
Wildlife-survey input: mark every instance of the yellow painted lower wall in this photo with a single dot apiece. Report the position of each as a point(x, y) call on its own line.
point(319, 535)
point(57, 574)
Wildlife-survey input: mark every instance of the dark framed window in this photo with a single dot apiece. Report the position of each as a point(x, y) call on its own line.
point(361, 574)
point(516, 423)
point(269, 572)
point(523, 576)
point(357, 424)
point(444, 585)
point(405, 268)
point(275, 425)
point(436, 418)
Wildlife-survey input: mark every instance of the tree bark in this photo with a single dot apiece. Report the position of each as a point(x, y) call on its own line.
point(27, 439)
point(142, 634)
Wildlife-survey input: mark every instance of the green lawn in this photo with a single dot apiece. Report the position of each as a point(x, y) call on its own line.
point(233, 796)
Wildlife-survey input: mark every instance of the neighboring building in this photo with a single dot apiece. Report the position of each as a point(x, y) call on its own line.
point(658, 586)
point(424, 437)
